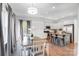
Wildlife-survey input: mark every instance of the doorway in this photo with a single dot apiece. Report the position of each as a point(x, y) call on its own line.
point(25, 33)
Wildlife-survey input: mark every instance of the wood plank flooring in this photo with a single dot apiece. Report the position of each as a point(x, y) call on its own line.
point(54, 50)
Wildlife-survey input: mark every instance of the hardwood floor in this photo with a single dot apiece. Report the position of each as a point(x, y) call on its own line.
point(54, 50)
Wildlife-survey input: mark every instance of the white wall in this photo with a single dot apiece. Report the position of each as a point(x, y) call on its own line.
point(78, 31)
point(37, 28)
point(38, 25)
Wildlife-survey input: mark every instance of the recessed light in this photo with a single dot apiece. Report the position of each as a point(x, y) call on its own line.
point(53, 7)
point(32, 10)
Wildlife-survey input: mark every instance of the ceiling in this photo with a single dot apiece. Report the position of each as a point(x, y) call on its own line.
point(46, 10)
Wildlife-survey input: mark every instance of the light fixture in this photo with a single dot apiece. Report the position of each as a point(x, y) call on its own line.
point(53, 7)
point(32, 10)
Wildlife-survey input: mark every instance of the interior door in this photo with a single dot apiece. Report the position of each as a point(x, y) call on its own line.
point(70, 29)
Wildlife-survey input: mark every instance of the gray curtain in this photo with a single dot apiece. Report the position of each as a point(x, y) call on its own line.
point(1, 34)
